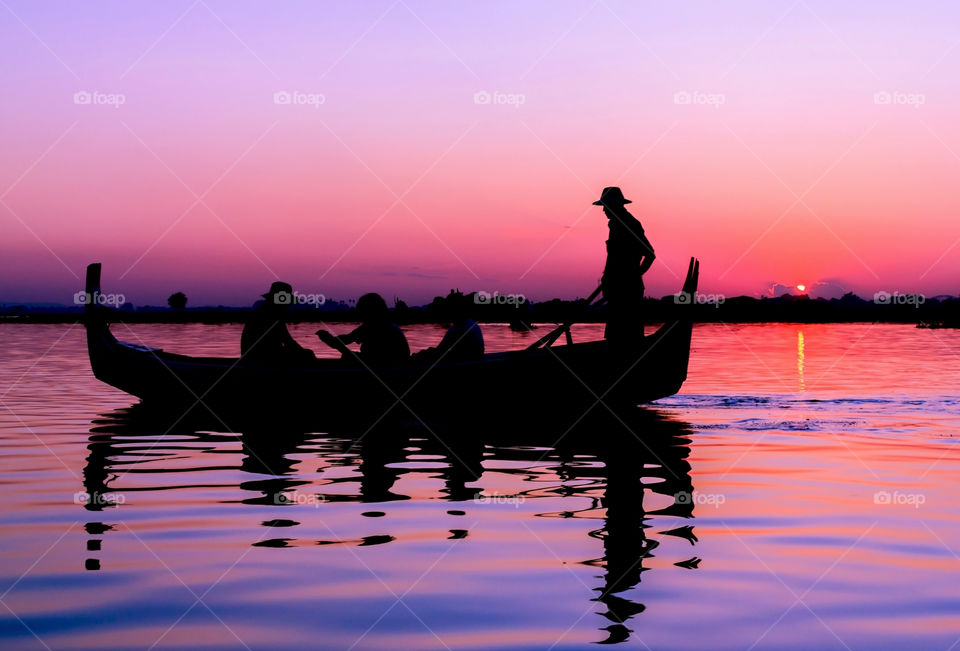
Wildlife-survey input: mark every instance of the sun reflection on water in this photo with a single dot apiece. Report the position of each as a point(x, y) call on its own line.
point(800, 358)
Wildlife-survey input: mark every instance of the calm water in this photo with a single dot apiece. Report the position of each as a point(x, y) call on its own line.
point(802, 492)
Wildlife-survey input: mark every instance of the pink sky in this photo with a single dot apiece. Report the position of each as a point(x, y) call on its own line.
point(783, 168)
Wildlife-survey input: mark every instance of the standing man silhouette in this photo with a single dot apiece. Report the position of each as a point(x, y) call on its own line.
point(629, 256)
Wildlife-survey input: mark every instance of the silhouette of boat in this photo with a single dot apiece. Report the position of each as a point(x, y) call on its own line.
point(574, 376)
point(517, 325)
point(940, 325)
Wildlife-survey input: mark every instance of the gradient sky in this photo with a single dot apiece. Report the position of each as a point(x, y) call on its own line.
point(783, 169)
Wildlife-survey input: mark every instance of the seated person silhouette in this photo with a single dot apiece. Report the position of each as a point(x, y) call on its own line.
point(265, 337)
point(381, 341)
point(463, 341)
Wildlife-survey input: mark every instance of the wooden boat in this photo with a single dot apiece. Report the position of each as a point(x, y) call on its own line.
point(542, 378)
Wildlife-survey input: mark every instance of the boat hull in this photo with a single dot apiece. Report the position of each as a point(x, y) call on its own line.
point(571, 377)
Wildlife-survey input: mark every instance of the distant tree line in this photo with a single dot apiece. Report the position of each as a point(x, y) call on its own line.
point(900, 308)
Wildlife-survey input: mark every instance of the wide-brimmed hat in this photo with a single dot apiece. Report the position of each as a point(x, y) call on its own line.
point(285, 290)
point(611, 196)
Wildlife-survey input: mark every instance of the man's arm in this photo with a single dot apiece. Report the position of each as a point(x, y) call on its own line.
point(648, 255)
point(338, 342)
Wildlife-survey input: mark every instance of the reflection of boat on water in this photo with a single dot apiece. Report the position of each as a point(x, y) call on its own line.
point(570, 377)
point(617, 462)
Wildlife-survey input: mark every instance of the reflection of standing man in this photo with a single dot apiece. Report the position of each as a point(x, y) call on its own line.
point(629, 256)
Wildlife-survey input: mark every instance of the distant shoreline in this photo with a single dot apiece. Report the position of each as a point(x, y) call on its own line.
point(239, 318)
point(884, 308)
point(537, 325)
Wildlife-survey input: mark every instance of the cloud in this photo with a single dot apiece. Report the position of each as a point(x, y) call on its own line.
point(775, 289)
point(829, 288)
point(826, 288)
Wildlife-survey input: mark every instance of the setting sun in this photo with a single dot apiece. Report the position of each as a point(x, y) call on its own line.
point(802, 288)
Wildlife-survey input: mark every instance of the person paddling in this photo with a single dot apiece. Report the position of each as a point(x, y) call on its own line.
point(463, 340)
point(381, 341)
point(629, 256)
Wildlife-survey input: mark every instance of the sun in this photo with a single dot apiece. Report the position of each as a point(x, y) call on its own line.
point(802, 288)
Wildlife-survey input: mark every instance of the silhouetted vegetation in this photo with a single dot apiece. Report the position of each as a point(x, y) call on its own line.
point(940, 312)
point(177, 301)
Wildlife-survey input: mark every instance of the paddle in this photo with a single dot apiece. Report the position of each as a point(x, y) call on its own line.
point(553, 335)
point(333, 341)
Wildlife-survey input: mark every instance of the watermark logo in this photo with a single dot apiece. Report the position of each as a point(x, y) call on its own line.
point(97, 298)
point(296, 498)
point(699, 499)
point(696, 298)
point(299, 98)
point(496, 298)
point(898, 98)
point(497, 98)
point(299, 298)
point(99, 499)
point(685, 97)
point(896, 298)
point(514, 499)
point(896, 498)
point(96, 98)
